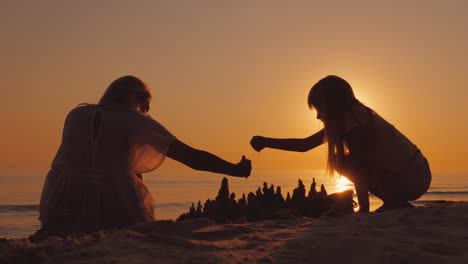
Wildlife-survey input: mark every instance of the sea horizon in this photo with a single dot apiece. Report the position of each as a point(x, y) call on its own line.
point(175, 190)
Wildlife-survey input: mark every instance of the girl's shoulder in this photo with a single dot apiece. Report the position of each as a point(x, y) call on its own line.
point(362, 113)
point(358, 116)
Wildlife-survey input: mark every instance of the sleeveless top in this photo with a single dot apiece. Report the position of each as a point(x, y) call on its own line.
point(388, 148)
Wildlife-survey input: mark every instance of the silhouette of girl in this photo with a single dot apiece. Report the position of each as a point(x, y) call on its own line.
point(362, 146)
point(95, 181)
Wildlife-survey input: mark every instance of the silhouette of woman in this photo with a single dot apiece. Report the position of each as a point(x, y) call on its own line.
point(362, 146)
point(95, 180)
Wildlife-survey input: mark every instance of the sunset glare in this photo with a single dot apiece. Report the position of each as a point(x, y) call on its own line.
point(222, 131)
point(343, 184)
point(223, 71)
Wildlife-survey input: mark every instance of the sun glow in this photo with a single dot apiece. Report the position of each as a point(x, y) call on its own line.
point(343, 184)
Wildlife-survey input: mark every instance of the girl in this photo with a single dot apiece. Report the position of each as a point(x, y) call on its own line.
point(95, 181)
point(362, 146)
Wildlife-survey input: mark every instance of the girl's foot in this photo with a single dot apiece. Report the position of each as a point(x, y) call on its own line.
point(390, 206)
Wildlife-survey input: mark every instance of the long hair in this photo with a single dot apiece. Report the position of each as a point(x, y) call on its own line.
point(126, 89)
point(333, 96)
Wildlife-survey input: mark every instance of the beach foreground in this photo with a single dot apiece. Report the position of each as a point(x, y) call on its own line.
point(435, 233)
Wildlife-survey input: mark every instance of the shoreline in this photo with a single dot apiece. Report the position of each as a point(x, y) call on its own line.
point(30, 223)
point(434, 233)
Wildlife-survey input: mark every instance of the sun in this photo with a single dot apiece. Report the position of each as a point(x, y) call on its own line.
point(343, 184)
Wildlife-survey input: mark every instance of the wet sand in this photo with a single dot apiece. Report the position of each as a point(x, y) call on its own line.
point(435, 233)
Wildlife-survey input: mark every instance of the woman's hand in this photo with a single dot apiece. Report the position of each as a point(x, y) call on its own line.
point(243, 168)
point(258, 143)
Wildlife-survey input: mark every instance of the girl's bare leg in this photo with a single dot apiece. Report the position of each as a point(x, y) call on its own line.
point(356, 174)
point(383, 190)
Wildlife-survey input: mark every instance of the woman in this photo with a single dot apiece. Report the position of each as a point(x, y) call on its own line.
point(362, 146)
point(95, 181)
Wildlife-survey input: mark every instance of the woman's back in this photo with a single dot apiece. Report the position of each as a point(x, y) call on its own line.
point(109, 138)
point(94, 182)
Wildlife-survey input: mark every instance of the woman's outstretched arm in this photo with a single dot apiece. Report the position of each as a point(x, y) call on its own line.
point(291, 144)
point(205, 161)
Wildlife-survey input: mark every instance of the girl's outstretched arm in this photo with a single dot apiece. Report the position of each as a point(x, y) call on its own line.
point(290, 144)
point(205, 161)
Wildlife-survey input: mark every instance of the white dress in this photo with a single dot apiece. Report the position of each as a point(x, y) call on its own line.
point(95, 181)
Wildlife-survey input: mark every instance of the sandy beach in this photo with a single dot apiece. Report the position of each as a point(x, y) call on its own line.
point(435, 233)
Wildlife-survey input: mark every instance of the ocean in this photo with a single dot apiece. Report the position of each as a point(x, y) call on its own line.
point(175, 191)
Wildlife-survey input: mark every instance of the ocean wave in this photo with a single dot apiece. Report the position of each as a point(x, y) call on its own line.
point(35, 207)
point(19, 208)
point(423, 202)
point(167, 205)
point(194, 182)
point(449, 187)
point(441, 193)
point(447, 193)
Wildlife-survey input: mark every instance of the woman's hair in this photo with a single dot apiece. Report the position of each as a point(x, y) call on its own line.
point(333, 96)
point(125, 90)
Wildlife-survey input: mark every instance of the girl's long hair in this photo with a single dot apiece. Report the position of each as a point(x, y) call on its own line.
point(333, 96)
point(124, 89)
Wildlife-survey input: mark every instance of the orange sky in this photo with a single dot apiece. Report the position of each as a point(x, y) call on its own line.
point(223, 71)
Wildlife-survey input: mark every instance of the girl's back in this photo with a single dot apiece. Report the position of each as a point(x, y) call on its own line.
point(388, 148)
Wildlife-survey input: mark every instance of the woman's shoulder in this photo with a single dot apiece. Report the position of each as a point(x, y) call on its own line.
point(81, 109)
point(139, 116)
point(144, 123)
point(119, 112)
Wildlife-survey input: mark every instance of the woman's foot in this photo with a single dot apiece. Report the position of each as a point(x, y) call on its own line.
point(390, 206)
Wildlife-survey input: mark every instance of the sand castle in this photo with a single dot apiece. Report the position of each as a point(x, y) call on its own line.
point(266, 203)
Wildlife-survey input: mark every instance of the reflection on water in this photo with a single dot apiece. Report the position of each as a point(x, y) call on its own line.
point(343, 184)
point(199, 186)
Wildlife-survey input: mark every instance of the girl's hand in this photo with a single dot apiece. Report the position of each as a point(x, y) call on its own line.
point(258, 143)
point(243, 168)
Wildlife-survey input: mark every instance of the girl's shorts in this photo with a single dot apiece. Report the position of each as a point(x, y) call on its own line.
point(409, 183)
